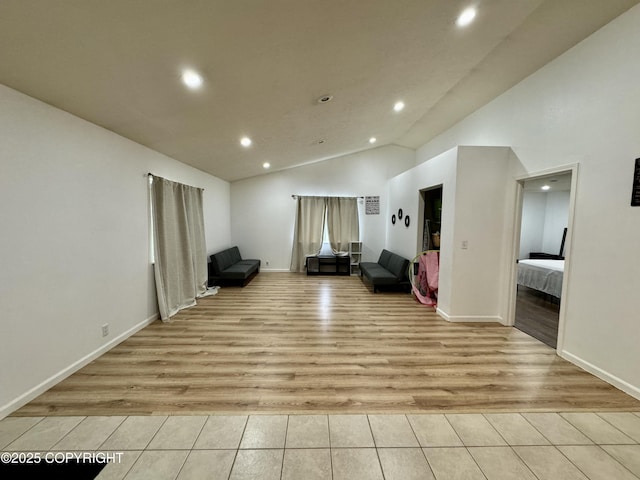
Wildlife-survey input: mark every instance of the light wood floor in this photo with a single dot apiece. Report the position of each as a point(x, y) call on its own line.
point(289, 343)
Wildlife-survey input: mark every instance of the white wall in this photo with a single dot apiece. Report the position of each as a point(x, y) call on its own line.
point(545, 215)
point(482, 203)
point(75, 241)
point(404, 193)
point(263, 212)
point(583, 107)
point(474, 206)
point(556, 218)
point(534, 205)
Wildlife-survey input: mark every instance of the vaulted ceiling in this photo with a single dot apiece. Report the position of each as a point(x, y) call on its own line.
point(118, 64)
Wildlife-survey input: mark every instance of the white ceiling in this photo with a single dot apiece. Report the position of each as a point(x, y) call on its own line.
point(558, 182)
point(117, 63)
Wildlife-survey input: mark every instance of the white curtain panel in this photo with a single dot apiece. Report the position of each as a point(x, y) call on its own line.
point(309, 229)
point(179, 243)
point(342, 223)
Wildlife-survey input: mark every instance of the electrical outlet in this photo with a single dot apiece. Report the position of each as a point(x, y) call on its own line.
point(105, 329)
point(465, 244)
point(268, 263)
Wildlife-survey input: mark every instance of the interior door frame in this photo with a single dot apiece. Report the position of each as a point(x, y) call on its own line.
point(517, 226)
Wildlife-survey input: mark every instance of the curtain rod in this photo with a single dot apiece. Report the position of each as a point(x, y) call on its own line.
point(149, 174)
point(294, 196)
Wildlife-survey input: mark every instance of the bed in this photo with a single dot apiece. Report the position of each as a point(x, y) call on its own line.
point(543, 275)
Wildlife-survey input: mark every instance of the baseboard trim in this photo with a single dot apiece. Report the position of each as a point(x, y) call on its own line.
point(25, 398)
point(601, 374)
point(263, 269)
point(470, 318)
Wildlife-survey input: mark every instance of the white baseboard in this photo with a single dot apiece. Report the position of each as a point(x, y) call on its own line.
point(263, 269)
point(470, 318)
point(25, 398)
point(601, 374)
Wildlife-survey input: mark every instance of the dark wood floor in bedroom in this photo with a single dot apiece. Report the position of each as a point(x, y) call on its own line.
point(288, 343)
point(537, 314)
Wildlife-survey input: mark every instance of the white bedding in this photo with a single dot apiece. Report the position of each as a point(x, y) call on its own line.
point(543, 275)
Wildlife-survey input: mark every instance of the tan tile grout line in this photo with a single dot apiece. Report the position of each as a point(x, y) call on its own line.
point(375, 446)
point(556, 446)
point(284, 448)
point(466, 447)
point(433, 474)
point(330, 447)
point(235, 456)
point(190, 450)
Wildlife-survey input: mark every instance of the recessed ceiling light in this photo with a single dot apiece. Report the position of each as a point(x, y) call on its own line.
point(466, 17)
point(192, 79)
point(245, 142)
point(398, 106)
point(321, 141)
point(266, 165)
point(545, 187)
point(373, 140)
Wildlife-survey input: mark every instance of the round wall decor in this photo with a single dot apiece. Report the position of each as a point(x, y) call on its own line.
point(406, 221)
point(393, 219)
point(399, 214)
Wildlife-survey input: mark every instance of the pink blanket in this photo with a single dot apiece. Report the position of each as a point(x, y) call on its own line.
point(425, 287)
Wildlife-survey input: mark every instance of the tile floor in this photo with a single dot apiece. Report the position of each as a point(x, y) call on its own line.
point(493, 446)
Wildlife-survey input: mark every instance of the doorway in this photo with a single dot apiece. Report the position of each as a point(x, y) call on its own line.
point(544, 225)
point(431, 218)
